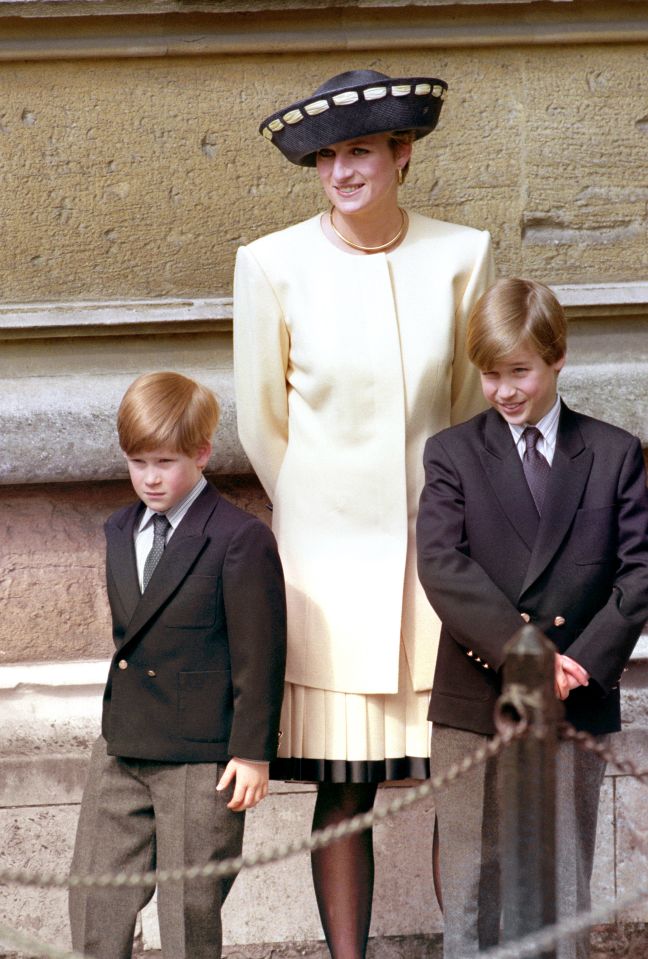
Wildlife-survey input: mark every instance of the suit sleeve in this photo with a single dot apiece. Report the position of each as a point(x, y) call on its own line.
point(466, 394)
point(604, 646)
point(261, 348)
point(472, 609)
point(255, 610)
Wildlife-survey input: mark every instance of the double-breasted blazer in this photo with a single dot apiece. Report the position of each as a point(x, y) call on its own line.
point(344, 365)
point(198, 671)
point(579, 572)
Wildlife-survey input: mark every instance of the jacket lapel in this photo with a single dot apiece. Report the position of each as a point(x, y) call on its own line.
point(121, 558)
point(184, 547)
point(569, 474)
point(503, 467)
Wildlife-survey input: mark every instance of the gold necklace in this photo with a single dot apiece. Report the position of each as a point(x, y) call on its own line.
point(370, 249)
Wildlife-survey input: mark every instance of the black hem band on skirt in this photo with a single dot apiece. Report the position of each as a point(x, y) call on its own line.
point(294, 769)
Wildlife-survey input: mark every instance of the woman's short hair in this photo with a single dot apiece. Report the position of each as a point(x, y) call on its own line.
point(513, 312)
point(401, 138)
point(166, 410)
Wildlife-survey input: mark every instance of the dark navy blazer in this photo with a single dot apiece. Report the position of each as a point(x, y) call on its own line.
point(198, 671)
point(580, 571)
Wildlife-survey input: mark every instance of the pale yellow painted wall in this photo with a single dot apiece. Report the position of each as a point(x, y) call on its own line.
point(137, 178)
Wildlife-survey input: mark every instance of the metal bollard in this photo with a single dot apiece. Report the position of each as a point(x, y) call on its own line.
point(527, 788)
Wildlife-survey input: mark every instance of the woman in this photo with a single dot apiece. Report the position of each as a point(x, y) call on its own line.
point(349, 352)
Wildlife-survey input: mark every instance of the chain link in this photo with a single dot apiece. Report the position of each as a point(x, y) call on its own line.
point(589, 743)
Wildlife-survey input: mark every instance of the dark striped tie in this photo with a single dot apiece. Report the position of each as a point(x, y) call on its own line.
point(536, 468)
point(160, 527)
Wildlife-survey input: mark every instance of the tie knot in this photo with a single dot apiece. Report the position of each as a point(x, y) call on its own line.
point(531, 436)
point(160, 524)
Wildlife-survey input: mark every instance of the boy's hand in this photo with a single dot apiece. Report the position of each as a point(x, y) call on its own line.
point(569, 674)
point(250, 783)
point(574, 669)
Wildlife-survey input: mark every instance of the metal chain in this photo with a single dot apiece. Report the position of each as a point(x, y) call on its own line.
point(279, 851)
point(589, 743)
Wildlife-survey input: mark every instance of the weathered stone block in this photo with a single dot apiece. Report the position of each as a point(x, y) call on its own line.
point(631, 841)
point(39, 839)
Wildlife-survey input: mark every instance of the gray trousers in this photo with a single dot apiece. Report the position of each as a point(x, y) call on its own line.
point(140, 815)
point(468, 819)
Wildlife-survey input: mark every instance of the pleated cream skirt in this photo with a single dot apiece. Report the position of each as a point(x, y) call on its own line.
point(354, 737)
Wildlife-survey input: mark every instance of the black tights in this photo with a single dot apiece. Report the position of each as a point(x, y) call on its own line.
point(343, 873)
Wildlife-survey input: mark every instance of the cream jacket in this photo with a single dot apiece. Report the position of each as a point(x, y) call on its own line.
point(344, 365)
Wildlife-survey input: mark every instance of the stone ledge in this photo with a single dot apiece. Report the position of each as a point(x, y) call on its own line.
point(22, 677)
point(72, 29)
point(582, 301)
point(62, 428)
point(114, 318)
point(592, 300)
point(57, 424)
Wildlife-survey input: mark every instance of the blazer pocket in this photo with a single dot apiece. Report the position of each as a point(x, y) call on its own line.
point(594, 536)
point(195, 604)
point(470, 695)
point(205, 705)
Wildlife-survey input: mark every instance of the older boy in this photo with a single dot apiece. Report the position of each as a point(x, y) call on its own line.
point(529, 512)
point(191, 707)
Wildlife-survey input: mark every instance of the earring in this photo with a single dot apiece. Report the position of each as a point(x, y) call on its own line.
point(400, 176)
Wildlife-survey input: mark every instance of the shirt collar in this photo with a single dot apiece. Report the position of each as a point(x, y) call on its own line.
point(178, 512)
point(548, 425)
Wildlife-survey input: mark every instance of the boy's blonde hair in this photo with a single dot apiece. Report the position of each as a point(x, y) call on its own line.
point(513, 312)
point(166, 410)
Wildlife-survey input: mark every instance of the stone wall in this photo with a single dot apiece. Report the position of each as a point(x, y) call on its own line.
point(136, 178)
point(132, 170)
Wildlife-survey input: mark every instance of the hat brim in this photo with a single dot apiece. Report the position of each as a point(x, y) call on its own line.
point(300, 130)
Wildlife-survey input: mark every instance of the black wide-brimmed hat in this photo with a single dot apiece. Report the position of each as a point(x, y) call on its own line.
point(354, 104)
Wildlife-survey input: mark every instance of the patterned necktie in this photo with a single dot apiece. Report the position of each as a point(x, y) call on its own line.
point(536, 468)
point(160, 527)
